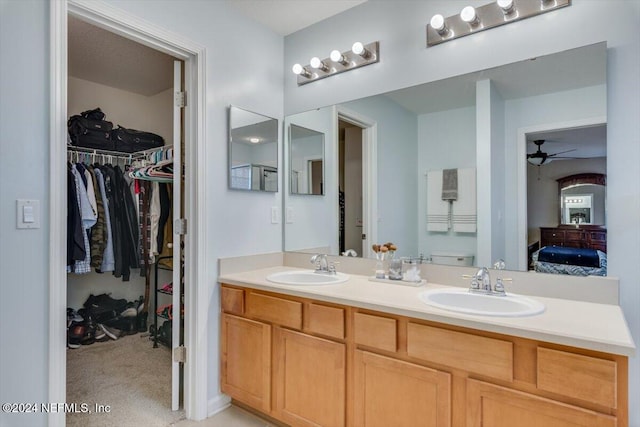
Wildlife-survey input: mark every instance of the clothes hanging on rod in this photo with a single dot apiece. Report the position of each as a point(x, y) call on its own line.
point(107, 210)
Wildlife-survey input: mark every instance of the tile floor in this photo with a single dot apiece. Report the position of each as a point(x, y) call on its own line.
point(230, 417)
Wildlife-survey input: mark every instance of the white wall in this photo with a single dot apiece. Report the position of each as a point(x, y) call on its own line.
point(239, 223)
point(405, 61)
point(446, 140)
point(24, 255)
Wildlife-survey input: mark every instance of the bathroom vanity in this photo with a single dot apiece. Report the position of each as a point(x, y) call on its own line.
point(364, 353)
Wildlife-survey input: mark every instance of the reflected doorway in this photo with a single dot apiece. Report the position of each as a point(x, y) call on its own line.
point(350, 188)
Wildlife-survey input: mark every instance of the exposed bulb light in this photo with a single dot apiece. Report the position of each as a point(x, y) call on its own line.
point(468, 15)
point(358, 49)
point(254, 140)
point(318, 64)
point(300, 71)
point(337, 56)
point(506, 6)
point(437, 22)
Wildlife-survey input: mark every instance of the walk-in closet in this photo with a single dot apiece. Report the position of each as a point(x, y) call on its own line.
point(125, 262)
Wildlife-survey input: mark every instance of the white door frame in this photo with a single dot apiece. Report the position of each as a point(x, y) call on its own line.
point(196, 272)
point(522, 175)
point(369, 173)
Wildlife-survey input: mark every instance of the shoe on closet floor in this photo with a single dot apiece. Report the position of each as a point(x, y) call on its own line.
point(75, 333)
point(110, 332)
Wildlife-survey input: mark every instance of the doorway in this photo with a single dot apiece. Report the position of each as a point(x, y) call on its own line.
point(108, 17)
point(357, 180)
point(350, 187)
point(574, 147)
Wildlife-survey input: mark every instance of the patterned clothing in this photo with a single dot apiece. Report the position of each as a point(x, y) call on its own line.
point(88, 220)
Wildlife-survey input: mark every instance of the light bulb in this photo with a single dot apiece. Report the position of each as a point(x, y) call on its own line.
point(468, 14)
point(437, 22)
point(506, 6)
point(297, 69)
point(336, 56)
point(357, 48)
point(254, 140)
point(315, 62)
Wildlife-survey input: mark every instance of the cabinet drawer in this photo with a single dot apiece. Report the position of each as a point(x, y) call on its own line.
point(326, 320)
point(583, 377)
point(553, 235)
point(273, 309)
point(481, 355)
point(598, 236)
point(376, 331)
point(575, 235)
point(232, 300)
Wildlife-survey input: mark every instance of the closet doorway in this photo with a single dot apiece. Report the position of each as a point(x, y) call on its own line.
point(189, 138)
point(134, 87)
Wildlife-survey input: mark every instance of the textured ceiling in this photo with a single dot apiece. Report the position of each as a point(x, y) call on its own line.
point(106, 58)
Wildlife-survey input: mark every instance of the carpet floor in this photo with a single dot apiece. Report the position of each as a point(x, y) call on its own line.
point(128, 375)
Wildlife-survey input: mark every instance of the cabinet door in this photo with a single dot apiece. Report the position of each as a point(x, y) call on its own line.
point(309, 379)
point(495, 406)
point(390, 392)
point(246, 361)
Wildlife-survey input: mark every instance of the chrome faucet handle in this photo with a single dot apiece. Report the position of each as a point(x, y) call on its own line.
point(475, 285)
point(332, 266)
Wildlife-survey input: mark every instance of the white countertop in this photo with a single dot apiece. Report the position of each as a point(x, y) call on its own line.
point(600, 327)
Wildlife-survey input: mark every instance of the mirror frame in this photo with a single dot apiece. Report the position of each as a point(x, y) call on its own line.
point(290, 165)
point(230, 150)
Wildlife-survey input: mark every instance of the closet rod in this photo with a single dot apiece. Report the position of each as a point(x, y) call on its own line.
point(131, 156)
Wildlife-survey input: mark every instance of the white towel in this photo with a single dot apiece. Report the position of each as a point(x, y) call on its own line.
point(465, 214)
point(437, 209)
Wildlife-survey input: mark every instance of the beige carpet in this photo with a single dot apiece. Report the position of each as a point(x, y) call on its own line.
point(129, 375)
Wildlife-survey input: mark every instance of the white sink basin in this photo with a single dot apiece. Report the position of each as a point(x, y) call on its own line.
point(462, 301)
point(306, 278)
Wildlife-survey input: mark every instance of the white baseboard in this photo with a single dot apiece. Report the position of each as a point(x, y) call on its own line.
point(218, 404)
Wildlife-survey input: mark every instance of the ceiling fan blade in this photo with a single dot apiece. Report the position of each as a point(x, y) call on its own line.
point(562, 152)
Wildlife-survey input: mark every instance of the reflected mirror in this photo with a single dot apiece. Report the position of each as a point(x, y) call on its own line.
point(306, 161)
point(253, 151)
point(479, 124)
point(582, 199)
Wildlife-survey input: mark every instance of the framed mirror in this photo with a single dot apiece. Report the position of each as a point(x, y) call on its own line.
point(253, 151)
point(306, 161)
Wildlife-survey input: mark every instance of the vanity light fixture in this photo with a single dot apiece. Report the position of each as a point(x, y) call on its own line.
point(338, 62)
point(254, 140)
point(499, 12)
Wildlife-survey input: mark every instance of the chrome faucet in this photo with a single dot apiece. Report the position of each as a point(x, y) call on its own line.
point(481, 281)
point(322, 265)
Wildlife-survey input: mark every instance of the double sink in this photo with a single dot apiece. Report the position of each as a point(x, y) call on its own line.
point(450, 298)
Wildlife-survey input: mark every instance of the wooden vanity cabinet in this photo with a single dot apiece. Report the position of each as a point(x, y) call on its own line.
point(309, 363)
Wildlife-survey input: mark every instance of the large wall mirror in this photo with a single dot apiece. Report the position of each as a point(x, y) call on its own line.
point(253, 151)
point(306, 161)
point(484, 122)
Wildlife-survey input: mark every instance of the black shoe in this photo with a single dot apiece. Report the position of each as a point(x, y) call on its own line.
point(142, 321)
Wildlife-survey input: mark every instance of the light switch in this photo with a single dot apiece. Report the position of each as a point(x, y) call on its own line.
point(28, 213)
point(274, 215)
point(290, 215)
